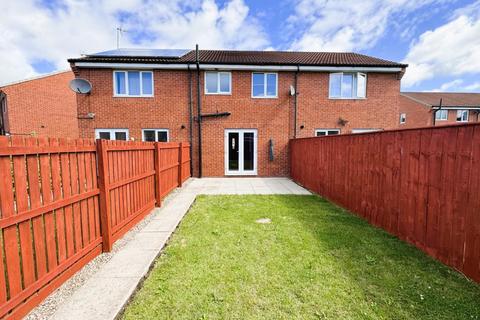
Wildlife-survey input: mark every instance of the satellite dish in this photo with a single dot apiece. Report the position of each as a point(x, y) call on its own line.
point(292, 90)
point(80, 85)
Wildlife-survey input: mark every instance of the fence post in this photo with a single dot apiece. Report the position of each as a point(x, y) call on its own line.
point(103, 182)
point(158, 198)
point(180, 164)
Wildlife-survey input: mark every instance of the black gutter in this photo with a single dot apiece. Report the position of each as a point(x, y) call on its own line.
point(295, 103)
point(435, 113)
point(190, 110)
point(199, 113)
point(215, 115)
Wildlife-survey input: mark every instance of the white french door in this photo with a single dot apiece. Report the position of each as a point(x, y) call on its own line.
point(241, 152)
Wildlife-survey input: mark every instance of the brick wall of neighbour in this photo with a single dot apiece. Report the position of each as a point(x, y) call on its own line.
point(43, 107)
point(273, 118)
point(420, 115)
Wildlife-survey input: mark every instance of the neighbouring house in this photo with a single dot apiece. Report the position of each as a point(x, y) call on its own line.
point(245, 105)
point(42, 106)
point(422, 109)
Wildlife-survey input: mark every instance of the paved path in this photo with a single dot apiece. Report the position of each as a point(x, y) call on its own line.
point(105, 294)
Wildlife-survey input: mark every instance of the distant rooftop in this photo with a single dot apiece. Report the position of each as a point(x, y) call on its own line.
point(238, 57)
point(449, 99)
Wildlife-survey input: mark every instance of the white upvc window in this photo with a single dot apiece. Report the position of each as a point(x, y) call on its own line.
point(441, 115)
point(132, 83)
point(218, 82)
point(111, 134)
point(403, 118)
point(462, 115)
point(155, 135)
point(264, 85)
point(365, 130)
point(326, 132)
point(347, 85)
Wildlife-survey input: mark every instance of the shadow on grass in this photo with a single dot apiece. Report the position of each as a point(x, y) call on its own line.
point(387, 277)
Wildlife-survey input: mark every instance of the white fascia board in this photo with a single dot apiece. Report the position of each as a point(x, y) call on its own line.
point(179, 66)
point(349, 69)
point(457, 108)
point(245, 67)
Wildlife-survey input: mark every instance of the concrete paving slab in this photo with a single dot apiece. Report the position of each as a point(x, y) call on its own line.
point(104, 295)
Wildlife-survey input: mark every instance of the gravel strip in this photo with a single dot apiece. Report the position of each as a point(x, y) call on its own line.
point(50, 305)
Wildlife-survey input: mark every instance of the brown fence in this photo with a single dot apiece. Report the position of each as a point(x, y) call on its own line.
point(56, 217)
point(422, 185)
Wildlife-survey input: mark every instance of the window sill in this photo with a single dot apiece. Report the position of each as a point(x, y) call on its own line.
point(334, 98)
point(121, 96)
point(267, 97)
point(218, 93)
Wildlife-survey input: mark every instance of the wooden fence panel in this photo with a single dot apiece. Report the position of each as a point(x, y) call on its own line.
point(35, 194)
point(422, 185)
point(127, 185)
point(61, 200)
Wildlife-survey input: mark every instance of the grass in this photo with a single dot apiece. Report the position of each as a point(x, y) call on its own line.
point(314, 261)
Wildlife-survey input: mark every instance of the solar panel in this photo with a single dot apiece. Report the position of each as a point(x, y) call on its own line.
point(162, 53)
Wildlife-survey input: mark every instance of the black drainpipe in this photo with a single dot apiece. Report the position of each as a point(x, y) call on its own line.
point(199, 113)
point(295, 104)
point(190, 109)
point(435, 113)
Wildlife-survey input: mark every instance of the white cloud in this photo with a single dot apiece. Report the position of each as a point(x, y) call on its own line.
point(473, 87)
point(29, 32)
point(452, 49)
point(346, 25)
point(454, 84)
point(458, 85)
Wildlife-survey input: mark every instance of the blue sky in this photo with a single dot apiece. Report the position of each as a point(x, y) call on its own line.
point(439, 39)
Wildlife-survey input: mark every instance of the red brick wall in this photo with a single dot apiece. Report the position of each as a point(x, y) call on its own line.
point(420, 115)
point(43, 107)
point(273, 118)
point(316, 111)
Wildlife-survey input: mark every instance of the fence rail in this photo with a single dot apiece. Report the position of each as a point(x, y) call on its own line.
point(422, 185)
point(59, 207)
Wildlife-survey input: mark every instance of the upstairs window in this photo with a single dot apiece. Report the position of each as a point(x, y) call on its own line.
point(218, 82)
point(155, 135)
point(441, 115)
point(344, 85)
point(462, 115)
point(133, 83)
point(264, 85)
point(403, 118)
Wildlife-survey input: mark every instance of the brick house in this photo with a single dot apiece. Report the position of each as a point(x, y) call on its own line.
point(42, 106)
point(250, 102)
point(420, 109)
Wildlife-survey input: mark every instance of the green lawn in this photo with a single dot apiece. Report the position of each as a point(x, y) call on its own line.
point(313, 261)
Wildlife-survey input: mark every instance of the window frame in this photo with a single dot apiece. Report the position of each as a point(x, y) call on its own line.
point(463, 111)
point(112, 132)
point(438, 111)
point(126, 95)
point(354, 86)
point(365, 130)
point(326, 131)
point(156, 131)
point(265, 96)
point(403, 116)
point(218, 83)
